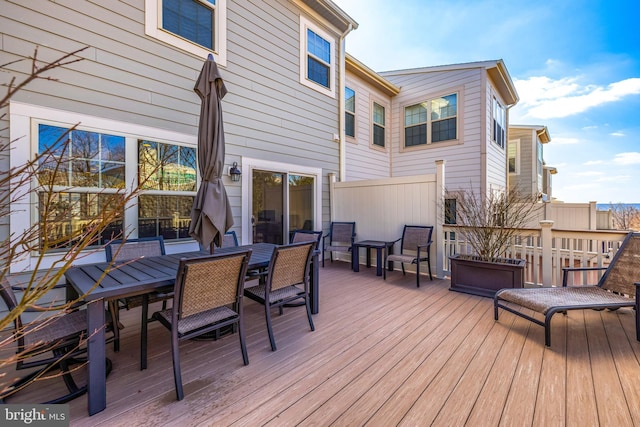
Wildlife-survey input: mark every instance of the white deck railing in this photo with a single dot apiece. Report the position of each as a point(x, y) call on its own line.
point(548, 250)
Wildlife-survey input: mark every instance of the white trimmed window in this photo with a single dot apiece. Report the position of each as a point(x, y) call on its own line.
point(350, 112)
point(499, 123)
point(102, 158)
point(431, 121)
point(317, 58)
point(196, 26)
point(379, 125)
point(513, 153)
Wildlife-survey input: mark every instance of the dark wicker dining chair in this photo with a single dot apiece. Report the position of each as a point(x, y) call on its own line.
point(415, 248)
point(208, 297)
point(287, 282)
point(62, 336)
point(340, 238)
point(307, 236)
point(128, 250)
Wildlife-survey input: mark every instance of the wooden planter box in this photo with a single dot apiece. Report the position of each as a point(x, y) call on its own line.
point(472, 276)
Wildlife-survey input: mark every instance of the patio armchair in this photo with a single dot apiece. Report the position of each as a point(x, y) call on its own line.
point(614, 290)
point(229, 239)
point(307, 236)
point(415, 248)
point(208, 297)
point(127, 250)
point(340, 238)
point(61, 336)
point(287, 281)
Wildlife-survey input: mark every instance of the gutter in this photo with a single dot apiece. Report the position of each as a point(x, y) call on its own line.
point(342, 164)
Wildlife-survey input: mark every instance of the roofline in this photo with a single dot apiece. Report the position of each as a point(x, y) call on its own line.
point(542, 131)
point(496, 69)
point(331, 12)
point(371, 77)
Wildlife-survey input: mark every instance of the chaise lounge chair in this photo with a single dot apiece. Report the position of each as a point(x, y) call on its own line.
point(615, 289)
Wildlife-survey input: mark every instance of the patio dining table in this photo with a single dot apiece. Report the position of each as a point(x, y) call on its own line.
point(138, 277)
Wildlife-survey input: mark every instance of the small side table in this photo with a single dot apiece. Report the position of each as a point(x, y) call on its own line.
point(379, 246)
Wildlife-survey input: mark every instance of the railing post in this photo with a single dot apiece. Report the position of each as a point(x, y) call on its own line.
point(332, 182)
point(439, 234)
point(546, 242)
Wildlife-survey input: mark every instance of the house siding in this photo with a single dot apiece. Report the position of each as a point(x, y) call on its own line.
point(365, 161)
point(525, 180)
point(130, 77)
point(463, 160)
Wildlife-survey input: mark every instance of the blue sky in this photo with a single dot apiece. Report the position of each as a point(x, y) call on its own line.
point(575, 65)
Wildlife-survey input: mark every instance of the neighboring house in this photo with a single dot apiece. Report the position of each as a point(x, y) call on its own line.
point(132, 96)
point(527, 170)
point(457, 113)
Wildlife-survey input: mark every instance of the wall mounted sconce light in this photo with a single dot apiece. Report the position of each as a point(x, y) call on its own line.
point(235, 172)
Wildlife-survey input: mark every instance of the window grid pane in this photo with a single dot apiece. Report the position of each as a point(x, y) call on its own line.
point(318, 47)
point(189, 19)
point(378, 114)
point(415, 135)
point(378, 135)
point(318, 72)
point(350, 100)
point(443, 130)
point(350, 124)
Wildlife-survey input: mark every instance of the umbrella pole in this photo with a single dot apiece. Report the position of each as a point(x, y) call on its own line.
point(211, 246)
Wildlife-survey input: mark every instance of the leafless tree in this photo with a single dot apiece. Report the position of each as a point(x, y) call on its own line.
point(18, 188)
point(625, 216)
point(489, 223)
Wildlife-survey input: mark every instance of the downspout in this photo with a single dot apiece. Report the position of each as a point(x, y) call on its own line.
point(342, 81)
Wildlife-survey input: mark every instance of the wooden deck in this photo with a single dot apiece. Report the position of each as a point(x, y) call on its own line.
point(384, 353)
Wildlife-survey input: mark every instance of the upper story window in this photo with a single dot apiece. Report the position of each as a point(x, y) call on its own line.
point(317, 53)
point(514, 157)
point(499, 123)
point(350, 112)
point(196, 26)
point(378, 125)
point(431, 121)
point(540, 164)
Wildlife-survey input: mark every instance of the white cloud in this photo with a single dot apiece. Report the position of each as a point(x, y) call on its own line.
point(632, 158)
point(564, 141)
point(590, 173)
point(545, 98)
point(618, 134)
point(593, 162)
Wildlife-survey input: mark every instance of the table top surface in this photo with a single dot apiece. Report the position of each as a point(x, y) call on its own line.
point(373, 243)
point(141, 275)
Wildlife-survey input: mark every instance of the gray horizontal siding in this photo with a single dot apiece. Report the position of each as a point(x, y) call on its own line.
point(131, 77)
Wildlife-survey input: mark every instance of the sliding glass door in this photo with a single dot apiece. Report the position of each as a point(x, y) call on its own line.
point(281, 203)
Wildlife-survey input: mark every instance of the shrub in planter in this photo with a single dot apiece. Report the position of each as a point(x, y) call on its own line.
point(488, 224)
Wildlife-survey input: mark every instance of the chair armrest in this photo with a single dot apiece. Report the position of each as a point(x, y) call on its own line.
point(324, 237)
point(567, 270)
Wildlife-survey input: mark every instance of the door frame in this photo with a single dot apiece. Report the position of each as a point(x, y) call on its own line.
point(248, 166)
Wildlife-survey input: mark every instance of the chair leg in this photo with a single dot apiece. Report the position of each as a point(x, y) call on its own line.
point(322, 257)
point(429, 265)
point(418, 273)
point(177, 375)
point(306, 303)
point(267, 310)
point(243, 345)
point(403, 272)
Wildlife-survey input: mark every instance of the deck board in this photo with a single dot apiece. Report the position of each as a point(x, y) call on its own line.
point(383, 353)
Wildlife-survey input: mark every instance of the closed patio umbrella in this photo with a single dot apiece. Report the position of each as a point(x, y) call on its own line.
point(211, 214)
